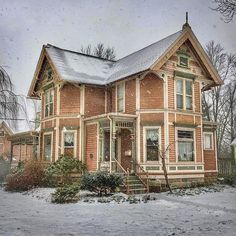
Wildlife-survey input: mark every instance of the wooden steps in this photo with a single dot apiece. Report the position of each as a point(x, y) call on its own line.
point(133, 185)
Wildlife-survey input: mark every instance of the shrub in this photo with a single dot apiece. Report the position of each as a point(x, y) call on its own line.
point(26, 177)
point(101, 182)
point(4, 168)
point(230, 180)
point(66, 194)
point(62, 169)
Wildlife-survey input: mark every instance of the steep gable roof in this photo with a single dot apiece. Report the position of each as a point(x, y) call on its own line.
point(4, 126)
point(77, 67)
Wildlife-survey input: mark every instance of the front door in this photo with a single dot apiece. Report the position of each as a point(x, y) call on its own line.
point(124, 148)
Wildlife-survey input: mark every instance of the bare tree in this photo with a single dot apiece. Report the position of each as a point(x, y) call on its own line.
point(100, 51)
point(9, 105)
point(227, 9)
point(219, 102)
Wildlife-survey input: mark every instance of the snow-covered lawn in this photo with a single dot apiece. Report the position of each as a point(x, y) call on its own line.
point(204, 214)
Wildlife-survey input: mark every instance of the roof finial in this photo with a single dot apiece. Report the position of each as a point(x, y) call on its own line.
point(186, 23)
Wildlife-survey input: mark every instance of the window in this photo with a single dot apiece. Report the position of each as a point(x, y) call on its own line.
point(49, 103)
point(185, 145)
point(120, 97)
point(69, 143)
point(49, 74)
point(208, 141)
point(152, 144)
point(184, 94)
point(48, 147)
point(2, 133)
point(183, 61)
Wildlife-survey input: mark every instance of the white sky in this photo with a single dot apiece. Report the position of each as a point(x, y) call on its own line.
point(25, 25)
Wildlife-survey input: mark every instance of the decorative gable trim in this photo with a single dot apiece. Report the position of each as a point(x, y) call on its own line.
point(43, 55)
point(189, 35)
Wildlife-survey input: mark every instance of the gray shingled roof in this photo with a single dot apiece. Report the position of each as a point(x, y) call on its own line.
point(78, 67)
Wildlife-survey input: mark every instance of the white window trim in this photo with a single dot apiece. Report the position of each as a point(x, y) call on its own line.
point(212, 142)
point(48, 133)
point(75, 141)
point(123, 97)
point(184, 94)
point(45, 95)
point(177, 146)
point(145, 128)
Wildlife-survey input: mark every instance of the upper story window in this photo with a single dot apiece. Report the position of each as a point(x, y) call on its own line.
point(184, 94)
point(2, 134)
point(49, 97)
point(49, 74)
point(120, 97)
point(183, 61)
point(185, 145)
point(208, 141)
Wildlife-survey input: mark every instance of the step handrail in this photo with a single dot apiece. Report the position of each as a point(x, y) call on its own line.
point(139, 170)
point(126, 174)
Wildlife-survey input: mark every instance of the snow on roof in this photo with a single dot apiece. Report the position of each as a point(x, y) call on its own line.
point(78, 67)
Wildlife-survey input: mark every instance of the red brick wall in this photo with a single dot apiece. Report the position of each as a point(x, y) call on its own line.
point(94, 101)
point(22, 152)
point(130, 96)
point(151, 92)
point(91, 147)
point(69, 100)
point(5, 145)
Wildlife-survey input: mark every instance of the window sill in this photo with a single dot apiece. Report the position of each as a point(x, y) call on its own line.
point(184, 67)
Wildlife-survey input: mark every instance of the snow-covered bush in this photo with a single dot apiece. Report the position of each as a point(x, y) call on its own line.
point(61, 169)
point(26, 177)
point(101, 182)
point(66, 194)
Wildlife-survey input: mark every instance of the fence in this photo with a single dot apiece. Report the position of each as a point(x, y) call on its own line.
point(226, 166)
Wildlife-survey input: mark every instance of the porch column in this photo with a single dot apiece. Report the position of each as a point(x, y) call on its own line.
point(133, 148)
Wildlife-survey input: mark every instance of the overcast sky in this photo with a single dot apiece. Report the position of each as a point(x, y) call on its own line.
point(127, 25)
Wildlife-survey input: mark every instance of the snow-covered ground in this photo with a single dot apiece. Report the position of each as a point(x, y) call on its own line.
point(204, 214)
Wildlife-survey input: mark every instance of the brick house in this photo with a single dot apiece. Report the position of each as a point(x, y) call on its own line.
point(115, 115)
point(17, 147)
point(5, 144)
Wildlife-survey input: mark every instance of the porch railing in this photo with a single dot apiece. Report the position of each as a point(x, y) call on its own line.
point(126, 174)
point(142, 174)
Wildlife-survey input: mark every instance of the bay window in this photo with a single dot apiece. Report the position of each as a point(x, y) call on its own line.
point(69, 143)
point(47, 147)
point(151, 144)
point(185, 145)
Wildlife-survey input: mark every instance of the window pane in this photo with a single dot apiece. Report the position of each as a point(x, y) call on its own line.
point(185, 134)
point(120, 91)
point(183, 61)
point(69, 139)
point(185, 151)
point(207, 141)
point(180, 101)
point(47, 146)
point(51, 109)
point(189, 103)
point(51, 96)
point(120, 105)
point(179, 86)
point(152, 146)
point(188, 87)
